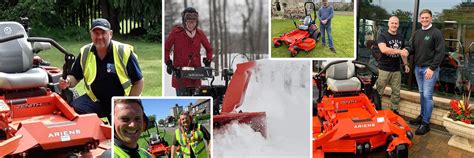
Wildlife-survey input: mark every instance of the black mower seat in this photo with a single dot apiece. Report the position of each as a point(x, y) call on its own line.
point(340, 78)
point(33, 78)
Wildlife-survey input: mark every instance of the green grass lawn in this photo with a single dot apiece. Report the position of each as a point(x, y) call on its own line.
point(342, 32)
point(149, 58)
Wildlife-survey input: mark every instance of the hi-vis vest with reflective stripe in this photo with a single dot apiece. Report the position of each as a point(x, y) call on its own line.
point(121, 54)
point(195, 141)
point(119, 153)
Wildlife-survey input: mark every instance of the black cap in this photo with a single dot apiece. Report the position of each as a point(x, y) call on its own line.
point(101, 23)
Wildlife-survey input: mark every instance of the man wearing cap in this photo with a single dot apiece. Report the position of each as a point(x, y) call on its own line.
point(129, 122)
point(185, 42)
point(109, 68)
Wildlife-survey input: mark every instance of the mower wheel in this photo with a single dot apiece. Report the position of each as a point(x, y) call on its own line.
point(401, 151)
point(277, 44)
point(296, 53)
point(293, 54)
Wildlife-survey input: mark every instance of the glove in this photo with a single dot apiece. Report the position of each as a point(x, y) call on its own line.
point(169, 67)
point(207, 63)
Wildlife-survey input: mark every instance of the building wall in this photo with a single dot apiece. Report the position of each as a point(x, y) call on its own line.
point(410, 105)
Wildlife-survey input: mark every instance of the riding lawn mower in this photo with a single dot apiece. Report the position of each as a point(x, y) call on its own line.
point(157, 146)
point(345, 120)
point(302, 37)
point(36, 119)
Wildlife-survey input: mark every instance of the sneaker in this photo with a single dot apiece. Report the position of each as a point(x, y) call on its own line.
point(416, 121)
point(332, 50)
point(423, 129)
point(324, 44)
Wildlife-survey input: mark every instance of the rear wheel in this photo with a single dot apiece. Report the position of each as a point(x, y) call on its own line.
point(293, 54)
point(277, 44)
point(401, 151)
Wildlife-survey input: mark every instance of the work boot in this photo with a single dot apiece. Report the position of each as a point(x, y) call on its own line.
point(423, 129)
point(416, 121)
point(332, 50)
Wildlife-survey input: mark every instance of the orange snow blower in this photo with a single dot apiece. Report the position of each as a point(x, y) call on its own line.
point(35, 121)
point(346, 121)
point(302, 37)
point(233, 99)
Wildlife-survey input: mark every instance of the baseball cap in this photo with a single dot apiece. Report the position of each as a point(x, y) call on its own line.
point(100, 23)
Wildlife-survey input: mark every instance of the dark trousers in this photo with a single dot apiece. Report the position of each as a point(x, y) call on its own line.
point(84, 105)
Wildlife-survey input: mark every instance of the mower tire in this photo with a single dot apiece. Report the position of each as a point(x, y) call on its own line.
point(401, 151)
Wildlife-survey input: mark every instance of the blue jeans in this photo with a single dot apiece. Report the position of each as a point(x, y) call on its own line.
point(324, 29)
point(426, 89)
point(84, 105)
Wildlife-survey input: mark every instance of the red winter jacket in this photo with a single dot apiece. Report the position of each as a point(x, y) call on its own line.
point(186, 52)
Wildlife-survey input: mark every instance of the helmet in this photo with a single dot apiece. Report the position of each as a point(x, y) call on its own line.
point(189, 14)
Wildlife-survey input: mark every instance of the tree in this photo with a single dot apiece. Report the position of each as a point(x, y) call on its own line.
point(368, 11)
point(161, 122)
point(403, 15)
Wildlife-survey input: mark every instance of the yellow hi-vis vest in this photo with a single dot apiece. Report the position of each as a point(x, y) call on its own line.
point(121, 53)
point(119, 153)
point(195, 141)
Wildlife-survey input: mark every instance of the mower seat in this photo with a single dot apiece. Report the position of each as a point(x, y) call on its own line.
point(340, 78)
point(16, 61)
point(33, 78)
point(306, 23)
point(155, 139)
point(16, 55)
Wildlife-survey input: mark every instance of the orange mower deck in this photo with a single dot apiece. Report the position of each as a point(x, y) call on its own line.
point(47, 122)
point(296, 40)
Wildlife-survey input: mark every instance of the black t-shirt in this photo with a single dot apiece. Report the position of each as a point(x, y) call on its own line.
point(205, 134)
point(107, 83)
point(390, 62)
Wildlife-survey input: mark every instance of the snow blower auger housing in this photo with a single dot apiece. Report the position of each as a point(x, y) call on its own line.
point(33, 116)
point(302, 37)
point(347, 121)
point(233, 99)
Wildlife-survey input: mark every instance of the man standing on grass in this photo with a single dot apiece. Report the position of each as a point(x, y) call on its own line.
point(391, 44)
point(189, 137)
point(109, 68)
point(427, 44)
point(325, 14)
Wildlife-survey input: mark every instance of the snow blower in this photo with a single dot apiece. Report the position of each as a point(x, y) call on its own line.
point(233, 99)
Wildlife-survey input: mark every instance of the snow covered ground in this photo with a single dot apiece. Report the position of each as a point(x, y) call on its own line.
point(282, 90)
